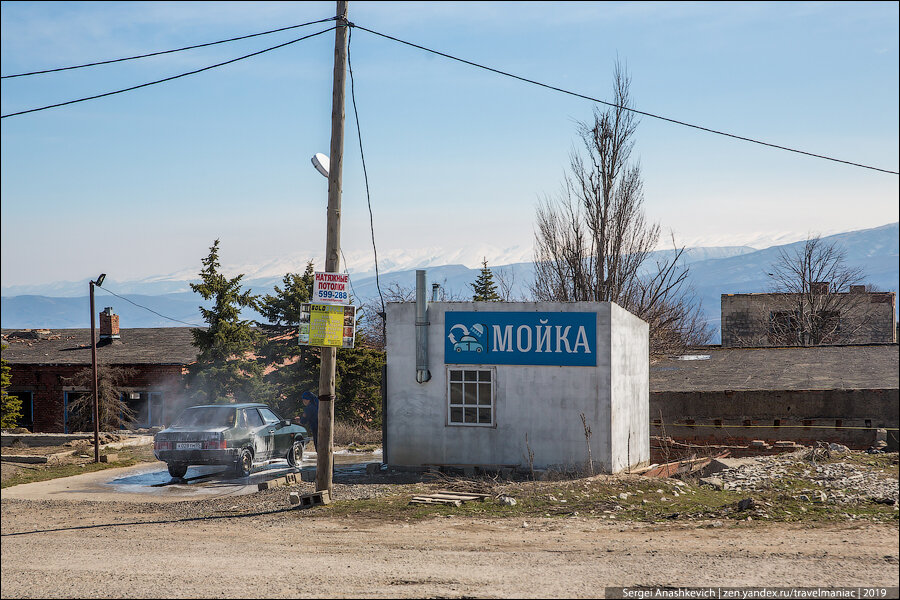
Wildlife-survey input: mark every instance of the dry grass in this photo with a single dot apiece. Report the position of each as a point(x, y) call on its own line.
point(348, 434)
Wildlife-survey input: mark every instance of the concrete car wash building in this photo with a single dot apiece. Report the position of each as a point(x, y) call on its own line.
point(494, 381)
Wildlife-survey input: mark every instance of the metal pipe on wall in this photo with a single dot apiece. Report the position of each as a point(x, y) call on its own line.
point(422, 372)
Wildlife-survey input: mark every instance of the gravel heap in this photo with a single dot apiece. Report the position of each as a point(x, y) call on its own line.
point(346, 487)
point(835, 482)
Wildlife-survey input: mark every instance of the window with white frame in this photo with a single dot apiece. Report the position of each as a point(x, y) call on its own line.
point(470, 395)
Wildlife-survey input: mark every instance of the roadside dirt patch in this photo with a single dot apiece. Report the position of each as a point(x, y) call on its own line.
point(77, 549)
point(567, 538)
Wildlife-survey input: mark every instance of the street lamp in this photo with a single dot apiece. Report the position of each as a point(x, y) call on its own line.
point(321, 163)
point(98, 282)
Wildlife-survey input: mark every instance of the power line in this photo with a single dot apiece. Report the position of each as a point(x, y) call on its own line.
point(106, 62)
point(135, 87)
point(634, 110)
point(148, 309)
point(365, 172)
point(352, 291)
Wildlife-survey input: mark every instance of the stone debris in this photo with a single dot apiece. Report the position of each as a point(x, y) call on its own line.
point(746, 504)
point(713, 482)
point(102, 438)
point(828, 482)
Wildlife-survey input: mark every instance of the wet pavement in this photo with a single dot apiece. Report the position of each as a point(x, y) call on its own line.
point(151, 482)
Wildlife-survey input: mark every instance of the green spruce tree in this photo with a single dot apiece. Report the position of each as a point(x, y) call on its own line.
point(223, 371)
point(358, 386)
point(290, 368)
point(10, 406)
point(484, 287)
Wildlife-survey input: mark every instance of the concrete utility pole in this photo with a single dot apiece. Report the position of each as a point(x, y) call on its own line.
point(325, 450)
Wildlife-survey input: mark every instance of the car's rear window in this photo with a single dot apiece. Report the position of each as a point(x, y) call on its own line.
point(206, 416)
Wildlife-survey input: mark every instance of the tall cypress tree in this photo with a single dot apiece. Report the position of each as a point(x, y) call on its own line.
point(223, 372)
point(484, 287)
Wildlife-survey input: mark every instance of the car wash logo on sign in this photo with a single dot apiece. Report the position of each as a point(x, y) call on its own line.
point(521, 338)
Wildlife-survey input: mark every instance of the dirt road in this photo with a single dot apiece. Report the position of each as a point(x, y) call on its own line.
point(99, 549)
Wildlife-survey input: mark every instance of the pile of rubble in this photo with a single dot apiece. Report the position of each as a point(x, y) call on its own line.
point(839, 482)
point(103, 438)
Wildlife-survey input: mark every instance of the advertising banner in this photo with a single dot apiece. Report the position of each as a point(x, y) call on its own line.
point(333, 288)
point(521, 338)
point(327, 325)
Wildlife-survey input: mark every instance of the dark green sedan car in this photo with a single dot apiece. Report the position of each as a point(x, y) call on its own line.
point(235, 435)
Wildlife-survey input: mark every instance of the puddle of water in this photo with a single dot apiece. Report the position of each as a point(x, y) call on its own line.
point(154, 479)
point(376, 452)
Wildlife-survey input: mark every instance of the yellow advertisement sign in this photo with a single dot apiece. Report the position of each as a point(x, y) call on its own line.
point(328, 325)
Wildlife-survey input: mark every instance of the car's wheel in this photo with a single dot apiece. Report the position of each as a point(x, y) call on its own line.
point(177, 470)
point(295, 455)
point(243, 467)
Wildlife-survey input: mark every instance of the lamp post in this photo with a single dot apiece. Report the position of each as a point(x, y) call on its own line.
point(98, 283)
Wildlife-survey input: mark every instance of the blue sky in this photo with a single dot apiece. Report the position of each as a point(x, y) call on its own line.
point(141, 183)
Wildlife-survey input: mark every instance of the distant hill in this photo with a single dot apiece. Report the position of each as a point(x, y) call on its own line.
point(713, 272)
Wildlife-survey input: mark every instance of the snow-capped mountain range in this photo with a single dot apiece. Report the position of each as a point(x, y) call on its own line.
point(713, 271)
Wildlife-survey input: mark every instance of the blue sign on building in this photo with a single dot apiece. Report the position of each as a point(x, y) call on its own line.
point(521, 338)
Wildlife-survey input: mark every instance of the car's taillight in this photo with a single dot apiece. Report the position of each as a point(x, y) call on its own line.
point(214, 444)
point(162, 445)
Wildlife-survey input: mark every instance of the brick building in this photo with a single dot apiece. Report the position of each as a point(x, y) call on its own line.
point(765, 320)
point(43, 363)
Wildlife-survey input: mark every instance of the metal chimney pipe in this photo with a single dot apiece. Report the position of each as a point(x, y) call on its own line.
point(422, 372)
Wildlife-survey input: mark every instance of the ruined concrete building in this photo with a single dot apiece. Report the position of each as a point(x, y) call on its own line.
point(732, 396)
point(820, 317)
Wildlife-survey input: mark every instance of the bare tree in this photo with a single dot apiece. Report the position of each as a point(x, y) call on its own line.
point(114, 411)
point(592, 242)
point(506, 282)
point(371, 326)
point(823, 300)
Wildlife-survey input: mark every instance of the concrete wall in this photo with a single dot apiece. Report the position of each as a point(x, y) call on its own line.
point(630, 371)
point(867, 318)
point(847, 416)
point(544, 402)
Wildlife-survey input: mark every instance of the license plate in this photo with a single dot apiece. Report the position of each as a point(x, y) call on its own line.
point(188, 446)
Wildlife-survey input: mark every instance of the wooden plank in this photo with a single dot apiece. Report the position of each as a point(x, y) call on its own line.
point(460, 498)
point(435, 501)
point(467, 494)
